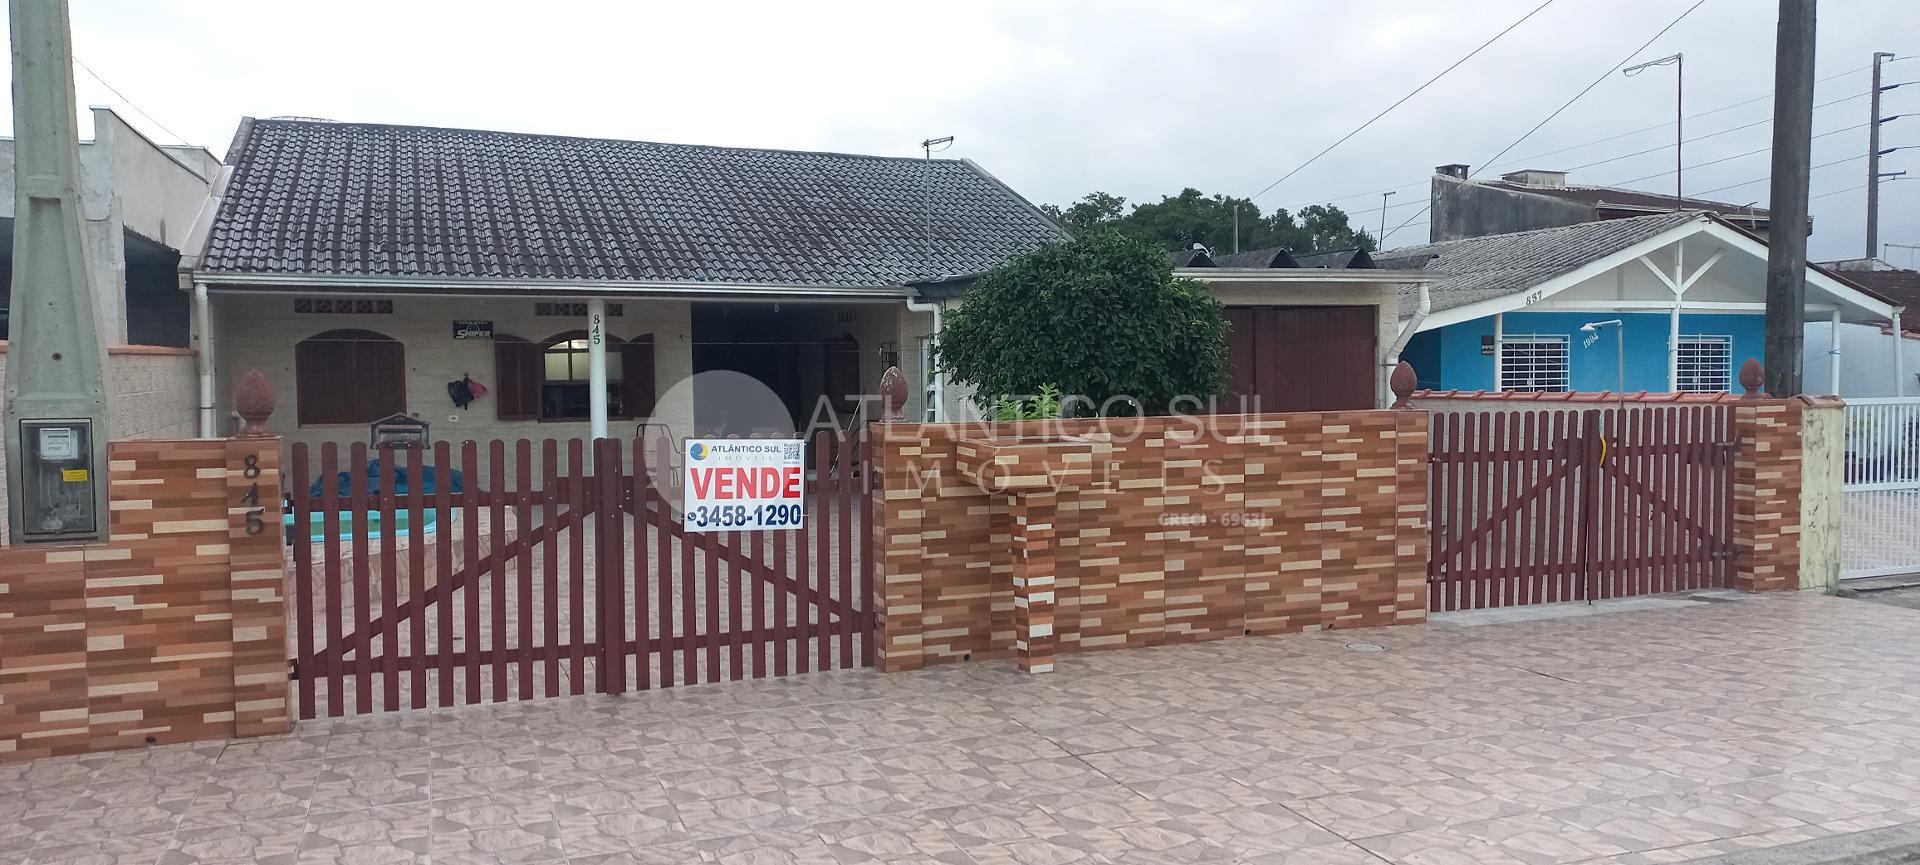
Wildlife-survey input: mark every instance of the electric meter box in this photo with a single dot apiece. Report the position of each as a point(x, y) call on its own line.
point(58, 480)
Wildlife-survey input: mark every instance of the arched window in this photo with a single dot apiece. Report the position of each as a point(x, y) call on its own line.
point(349, 376)
point(548, 380)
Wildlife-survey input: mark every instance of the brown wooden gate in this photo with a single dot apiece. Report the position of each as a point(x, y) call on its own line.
point(547, 573)
point(1543, 507)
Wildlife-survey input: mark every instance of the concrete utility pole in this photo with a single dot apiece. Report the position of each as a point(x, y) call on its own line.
point(1873, 155)
point(1787, 236)
point(56, 360)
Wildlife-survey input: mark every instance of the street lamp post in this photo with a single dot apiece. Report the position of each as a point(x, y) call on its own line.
point(1679, 63)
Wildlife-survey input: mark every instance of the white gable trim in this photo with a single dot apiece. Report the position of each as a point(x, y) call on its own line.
point(1521, 300)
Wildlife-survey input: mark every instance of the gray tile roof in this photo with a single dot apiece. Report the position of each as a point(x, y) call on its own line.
point(356, 199)
point(1480, 268)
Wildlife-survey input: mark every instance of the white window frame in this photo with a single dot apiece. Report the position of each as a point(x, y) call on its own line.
point(1725, 343)
point(1503, 379)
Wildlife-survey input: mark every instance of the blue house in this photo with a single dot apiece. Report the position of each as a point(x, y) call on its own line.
point(1666, 302)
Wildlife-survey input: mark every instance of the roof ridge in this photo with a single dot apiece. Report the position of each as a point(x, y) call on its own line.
point(329, 124)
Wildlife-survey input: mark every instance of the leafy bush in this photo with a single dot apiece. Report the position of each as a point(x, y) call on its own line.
point(1100, 317)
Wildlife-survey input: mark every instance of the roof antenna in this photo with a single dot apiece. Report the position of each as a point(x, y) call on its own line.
point(926, 186)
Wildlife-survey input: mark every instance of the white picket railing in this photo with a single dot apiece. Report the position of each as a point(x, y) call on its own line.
point(1883, 444)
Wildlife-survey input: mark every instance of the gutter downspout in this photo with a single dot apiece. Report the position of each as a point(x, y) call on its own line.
point(939, 378)
point(1833, 353)
point(203, 359)
point(1420, 312)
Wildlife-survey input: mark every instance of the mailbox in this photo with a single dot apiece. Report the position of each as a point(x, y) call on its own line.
point(58, 480)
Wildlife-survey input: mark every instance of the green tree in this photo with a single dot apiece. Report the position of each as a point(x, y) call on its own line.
point(1099, 316)
point(1180, 221)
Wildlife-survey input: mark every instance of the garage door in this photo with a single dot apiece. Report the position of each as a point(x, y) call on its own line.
point(1301, 358)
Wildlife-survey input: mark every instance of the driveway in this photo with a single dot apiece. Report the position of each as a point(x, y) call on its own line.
point(1661, 731)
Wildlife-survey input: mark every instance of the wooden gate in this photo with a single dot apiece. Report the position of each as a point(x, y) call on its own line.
point(1544, 507)
point(539, 572)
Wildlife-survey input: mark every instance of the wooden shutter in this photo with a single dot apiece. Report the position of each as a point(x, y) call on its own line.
point(349, 376)
point(636, 371)
point(317, 369)
point(516, 370)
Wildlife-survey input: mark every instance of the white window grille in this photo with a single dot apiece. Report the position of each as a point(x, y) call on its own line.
point(1706, 364)
point(1530, 363)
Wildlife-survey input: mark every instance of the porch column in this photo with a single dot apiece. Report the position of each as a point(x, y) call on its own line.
point(597, 367)
point(1899, 355)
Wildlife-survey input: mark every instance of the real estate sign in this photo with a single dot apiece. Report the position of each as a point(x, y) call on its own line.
point(735, 485)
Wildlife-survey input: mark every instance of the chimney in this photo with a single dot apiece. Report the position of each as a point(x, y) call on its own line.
point(1456, 170)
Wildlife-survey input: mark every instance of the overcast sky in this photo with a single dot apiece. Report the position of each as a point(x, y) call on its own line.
point(1056, 98)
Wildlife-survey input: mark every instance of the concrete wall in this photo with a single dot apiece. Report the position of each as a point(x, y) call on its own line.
point(1465, 209)
point(1450, 358)
point(152, 397)
point(1866, 361)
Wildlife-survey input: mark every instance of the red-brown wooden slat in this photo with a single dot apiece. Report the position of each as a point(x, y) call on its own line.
point(1512, 460)
point(609, 569)
point(781, 633)
point(736, 657)
point(638, 572)
point(1469, 503)
point(1697, 434)
point(1555, 557)
point(362, 580)
point(443, 566)
point(802, 575)
point(302, 530)
point(523, 578)
point(1658, 427)
point(1616, 513)
point(1488, 585)
point(389, 574)
point(470, 535)
point(417, 577)
point(1590, 451)
point(823, 550)
point(843, 524)
point(1449, 566)
point(497, 583)
point(1528, 546)
point(1637, 528)
point(710, 599)
point(663, 549)
point(863, 605)
point(1484, 510)
point(689, 603)
point(757, 544)
point(1723, 497)
point(550, 562)
point(1705, 460)
point(576, 569)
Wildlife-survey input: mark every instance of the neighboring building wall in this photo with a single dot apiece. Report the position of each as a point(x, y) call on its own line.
point(173, 630)
point(1456, 362)
point(1278, 523)
point(1466, 209)
point(259, 332)
point(1866, 360)
point(128, 183)
point(151, 397)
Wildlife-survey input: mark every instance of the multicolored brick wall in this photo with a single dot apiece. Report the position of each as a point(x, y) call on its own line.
point(173, 629)
point(1766, 494)
point(1187, 530)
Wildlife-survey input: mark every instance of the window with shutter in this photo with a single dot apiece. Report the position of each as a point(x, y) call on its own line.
point(516, 370)
point(349, 376)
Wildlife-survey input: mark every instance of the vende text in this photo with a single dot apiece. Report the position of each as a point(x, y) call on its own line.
point(721, 484)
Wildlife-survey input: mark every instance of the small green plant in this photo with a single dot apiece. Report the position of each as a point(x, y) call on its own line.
point(1044, 406)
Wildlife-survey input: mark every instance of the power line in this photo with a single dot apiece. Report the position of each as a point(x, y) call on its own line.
point(1402, 100)
point(1726, 131)
point(130, 103)
point(1569, 103)
point(1735, 156)
point(1842, 161)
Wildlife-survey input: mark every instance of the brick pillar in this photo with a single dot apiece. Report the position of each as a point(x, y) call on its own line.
point(1411, 530)
point(257, 588)
point(898, 549)
point(1823, 445)
point(1766, 495)
point(1033, 514)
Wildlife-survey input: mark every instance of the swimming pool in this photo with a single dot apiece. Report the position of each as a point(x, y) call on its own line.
point(316, 529)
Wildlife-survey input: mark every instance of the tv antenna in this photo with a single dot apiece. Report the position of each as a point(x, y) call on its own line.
point(927, 148)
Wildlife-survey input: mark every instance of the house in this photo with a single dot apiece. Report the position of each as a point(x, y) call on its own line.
point(1536, 198)
point(363, 267)
point(1870, 349)
point(1663, 302)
